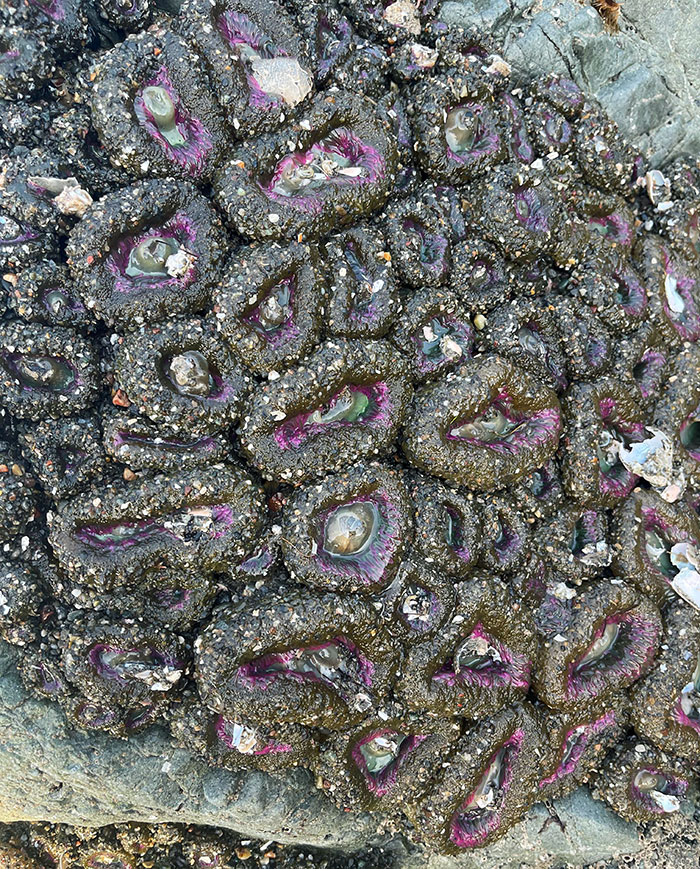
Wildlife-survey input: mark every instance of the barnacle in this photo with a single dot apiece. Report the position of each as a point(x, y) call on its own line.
point(297, 656)
point(348, 533)
point(485, 426)
point(611, 638)
point(146, 252)
point(481, 660)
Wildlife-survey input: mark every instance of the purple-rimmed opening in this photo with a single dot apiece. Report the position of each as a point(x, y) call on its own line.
point(146, 656)
point(341, 143)
point(617, 480)
point(431, 247)
point(589, 529)
point(506, 668)
point(564, 90)
point(649, 370)
point(11, 362)
point(178, 227)
point(557, 130)
point(294, 432)
point(574, 745)
point(680, 716)
point(420, 624)
point(267, 669)
point(679, 289)
point(73, 304)
point(287, 330)
point(382, 782)
point(613, 227)
point(537, 345)
point(190, 156)
point(126, 438)
point(456, 330)
point(49, 682)
point(93, 715)
point(486, 138)
point(471, 826)
point(220, 391)
point(454, 536)
point(519, 139)
point(113, 536)
point(629, 655)
point(630, 295)
point(173, 599)
point(674, 786)
point(54, 9)
point(330, 43)
point(25, 232)
point(531, 431)
point(223, 728)
point(259, 561)
point(362, 305)
point(653, 522)
point(530, 211)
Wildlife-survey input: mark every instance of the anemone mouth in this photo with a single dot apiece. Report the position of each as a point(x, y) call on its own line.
point(480, 814)
point(418, 607)
point(542, 483)
point(574, 745)
point(69, 460)
point(190, 373)
point(160, 111)
point(380, 755)
point(482, 660)
point(557, 129)
point(337, 664)
point(194, 523)
point(244, 739)
point(620, 649)
point(141, 665)
point(50, 374)
point(353, 404)
point(53, 8)
point(648, 373)
point(124, 439)
point(176, 271)
point(339, 159)
point(331, 41)
point(502, 428)
point(454, 532)
point(11, 231)
point(612, 227)
point(57, 301)
point(531, 211)
point(470, 132)
point(689, 434)
point(587, 543)
point(351, 529)
point(615, 431)
point(678, 301)
point(657, 791)
point(369, 280)
point(93, 716)
point(272, 314)
point(630, 295)
point(534, 343)
point(174, 599)
point(429, 247)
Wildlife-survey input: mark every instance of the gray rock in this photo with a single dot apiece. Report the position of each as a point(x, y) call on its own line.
point(49, 771)
point(647, 77)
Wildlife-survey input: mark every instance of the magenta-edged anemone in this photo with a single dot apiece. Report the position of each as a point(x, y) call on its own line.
point(588, 348)
point(576, 544)
point(616, 293)
point(651, 539)
point(344, 403)
point(610, 641)
point(238, 742)
point(665, 704)
point(506, 533)
point(341, 169)
point(562, 93)
point(387, 762)
point(202, 517)
point(362, 292)
point(541, 492)
point(578, 742)
point(418, 234)
point(295, 655)
point(606, 160)
point(481, 660)
point(269, 304)
point(479, 276)
point(258, 63)
point(517, 134)
point(418, 602)
point(549, 130)
point(674, 289)
point(45, 371)
point(601, 418)
point(457, 129)
point(644, 362)
point(676, 411)
point(642, 783)
point(44, 293)
point(487, 784)
point(485, 426)
point(146, 252)
point(153, 110)
point(350, 532)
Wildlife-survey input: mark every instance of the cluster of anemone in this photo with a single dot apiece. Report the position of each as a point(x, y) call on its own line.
point(350, 408)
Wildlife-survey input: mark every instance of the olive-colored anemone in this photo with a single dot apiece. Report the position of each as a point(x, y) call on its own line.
point(197, 519)
point(605, 158)
point(341, 169)
point(344, 403)
point(362, 293)
point(17, 498)
point(26, 62)
point(44, 293)
point(480, 661)
point(295, 655)
point(608, 640)
point(618, 294)
point(506, 533)
point(677, 411)
point(349, 532)
point(541, 492)
point(641, 783)
point(665, 705)
point(269, 305)
point(642, 363)
point(479, 275)
point(484, 426)
point(387, 762)
point(22, 593)
point(579, 741)
point(600, 420)
point(447, 526)
point(488, 783)
point(146, 252)
point(45, 371)
point(418, 234)
point(576, 542)
point(418, 602)
point(650, 543)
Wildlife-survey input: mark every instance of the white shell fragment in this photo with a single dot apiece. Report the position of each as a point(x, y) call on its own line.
point(652, 459)
point(284, 77)
point(69, 196)
point(403, 14)
point(666, 802)
point(178, 264)
point(686, 582)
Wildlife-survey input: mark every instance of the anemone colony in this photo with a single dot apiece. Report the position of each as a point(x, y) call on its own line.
point(355, 424)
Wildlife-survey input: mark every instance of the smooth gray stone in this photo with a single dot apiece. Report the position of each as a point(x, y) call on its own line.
point(647, 77)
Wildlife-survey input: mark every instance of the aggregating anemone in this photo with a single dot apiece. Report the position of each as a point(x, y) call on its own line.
point(355, 425)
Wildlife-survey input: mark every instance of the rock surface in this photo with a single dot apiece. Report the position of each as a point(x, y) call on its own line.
point(647, 77)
